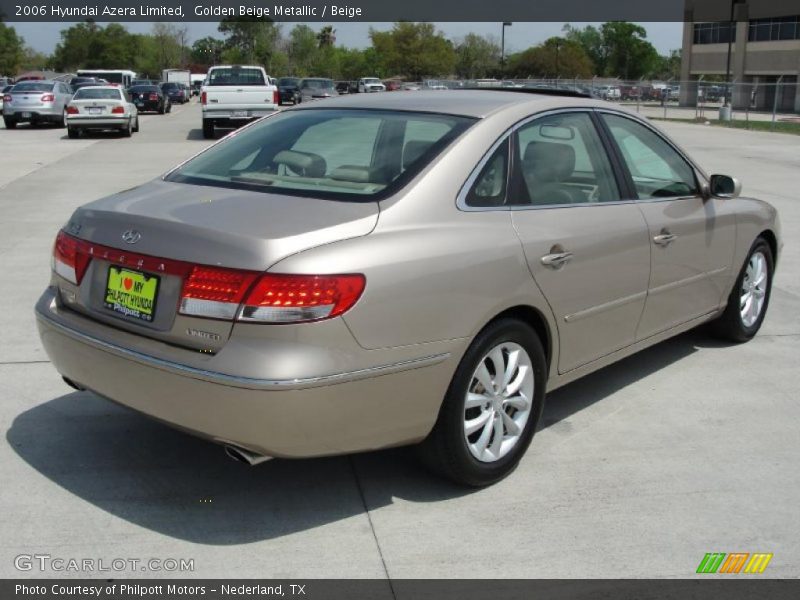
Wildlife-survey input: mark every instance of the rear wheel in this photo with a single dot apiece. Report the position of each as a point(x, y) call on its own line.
point(127, 131)
point(136, 125)
point(62, 122)
point(162, 109)
point(748, 301)
point(73, 133)
point(208, 130)
point(492, 407)
point(9, 123)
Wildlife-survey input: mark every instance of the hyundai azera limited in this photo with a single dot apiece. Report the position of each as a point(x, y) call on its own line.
point(396, 269)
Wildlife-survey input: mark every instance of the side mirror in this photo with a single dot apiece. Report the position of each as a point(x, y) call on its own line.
point(723, 186)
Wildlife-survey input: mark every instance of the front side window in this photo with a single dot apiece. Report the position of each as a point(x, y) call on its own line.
point(338, 154)
point(560, 159)
point(657, 169)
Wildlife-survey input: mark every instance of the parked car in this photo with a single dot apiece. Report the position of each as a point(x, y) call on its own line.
point(343, 87)
point(150, 98)
point(176, 93)
point(3, 92)
point(392, 85)
point(34, 102)
point(144, 82)
point(316, 88)
point(197, 87)
point(370, 84)
point(234, 95)
point(433, 84)
point(97, 108)
point(288, 88)
point(375, 271)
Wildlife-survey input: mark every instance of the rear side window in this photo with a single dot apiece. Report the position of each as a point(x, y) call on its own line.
point(561, 160)
point(657, 169)
point(489, 188)
point(236, 76)
point(325, 153)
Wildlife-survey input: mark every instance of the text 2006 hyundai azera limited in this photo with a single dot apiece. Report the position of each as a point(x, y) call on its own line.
point(401, 268)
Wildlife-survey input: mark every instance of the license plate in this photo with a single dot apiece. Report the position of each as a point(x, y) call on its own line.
point(131, 293)
point(26, 115)
point(239, 113)
point(95, 111)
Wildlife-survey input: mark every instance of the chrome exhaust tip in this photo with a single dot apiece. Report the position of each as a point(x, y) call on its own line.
point(245, 456)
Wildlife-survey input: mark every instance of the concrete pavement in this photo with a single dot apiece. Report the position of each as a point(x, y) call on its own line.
point(638, 470)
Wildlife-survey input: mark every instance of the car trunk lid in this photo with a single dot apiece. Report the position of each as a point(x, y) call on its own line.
point(131, 232)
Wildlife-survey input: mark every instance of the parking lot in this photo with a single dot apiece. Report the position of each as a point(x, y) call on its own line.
point(637, 471)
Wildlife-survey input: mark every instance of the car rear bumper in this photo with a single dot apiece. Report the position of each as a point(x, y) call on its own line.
point(98, 122)
point(385, 405)
point(34, 112)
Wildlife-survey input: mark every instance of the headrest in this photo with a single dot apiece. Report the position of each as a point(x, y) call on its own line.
point(352, 173)
point(549, 161)
point(302, 163)
point(413, 150)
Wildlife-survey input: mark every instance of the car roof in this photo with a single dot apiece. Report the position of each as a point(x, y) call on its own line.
point(470, 103)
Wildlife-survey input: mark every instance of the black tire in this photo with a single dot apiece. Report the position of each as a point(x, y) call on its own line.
point(9, 123)
point(136, 125)
point(445, 449)
point(208, 130)
point(162, 109)
point(730, 325)
point(127, 131)
point(62, 121)
point(73, 133)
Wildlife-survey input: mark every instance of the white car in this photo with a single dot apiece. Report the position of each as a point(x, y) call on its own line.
point(370, 84)
point(101, 107)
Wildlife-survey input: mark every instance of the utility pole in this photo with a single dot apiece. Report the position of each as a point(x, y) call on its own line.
point(503, 48)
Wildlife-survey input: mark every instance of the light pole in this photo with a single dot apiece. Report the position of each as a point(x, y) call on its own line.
point(731, 30)
point(503, 48)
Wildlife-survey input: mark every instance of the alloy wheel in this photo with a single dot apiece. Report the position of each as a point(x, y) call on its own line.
point(754, 289)
point(498, 402)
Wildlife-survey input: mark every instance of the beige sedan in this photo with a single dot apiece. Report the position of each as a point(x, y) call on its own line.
point(101, 107)
point(381, 270)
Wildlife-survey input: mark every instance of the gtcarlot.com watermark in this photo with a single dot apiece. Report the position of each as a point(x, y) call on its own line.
point(47, 563)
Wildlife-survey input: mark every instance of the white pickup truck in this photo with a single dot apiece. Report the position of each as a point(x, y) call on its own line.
point(233, 95)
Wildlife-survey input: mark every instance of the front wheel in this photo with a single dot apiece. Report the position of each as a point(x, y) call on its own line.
point(748, 301)
point(492, 407)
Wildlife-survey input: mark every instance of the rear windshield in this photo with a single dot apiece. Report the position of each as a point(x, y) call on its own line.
point(144, 88)
point(89, 93)
point(287, 81)
point(326, 153)
point(169, 86)
point(236, 76)
point(33, 87)
point(317, 84)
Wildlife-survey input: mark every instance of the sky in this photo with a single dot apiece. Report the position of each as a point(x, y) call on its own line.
point(664, 36)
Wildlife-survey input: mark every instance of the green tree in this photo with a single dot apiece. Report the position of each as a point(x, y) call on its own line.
point(250, 40)
point(556, 57)
point(414, 50)
point(476, 57)
point(326, 37)
point(11, 50)
point(207, 51)
point(303, 50)
point(590, 38)
point(33, 60)
point(629, 54)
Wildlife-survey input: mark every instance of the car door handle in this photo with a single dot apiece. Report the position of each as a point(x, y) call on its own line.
point(665, 238)
point(557, 260)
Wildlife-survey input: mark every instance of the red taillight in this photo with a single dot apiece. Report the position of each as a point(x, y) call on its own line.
point(48, 98)
point(203, 98)
point(72, 110)
point(153, 96)
point(70, 257)
point(270, 298)
point(276, 97)
point(279, 298)
point(7, 98)
point(117, 110)
point(214, 292)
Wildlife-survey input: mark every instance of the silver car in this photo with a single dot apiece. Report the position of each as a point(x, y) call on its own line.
point(316, 88)
point(384, 269)
point(42, 101)
point(101, 107)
